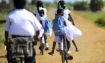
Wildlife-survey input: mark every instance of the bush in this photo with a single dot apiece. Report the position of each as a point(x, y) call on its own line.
point(69, 5)
point(48, 5)
point(81, 6)
point(101, 22)
point(96, 5)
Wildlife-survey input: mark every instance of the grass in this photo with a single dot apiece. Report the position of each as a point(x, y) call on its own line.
point(92, 16)
point(3, 15)
point(1, 33)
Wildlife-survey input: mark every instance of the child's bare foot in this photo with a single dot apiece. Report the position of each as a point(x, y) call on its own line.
point(77, 49)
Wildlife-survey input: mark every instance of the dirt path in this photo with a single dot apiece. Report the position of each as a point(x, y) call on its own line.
point(91, 44)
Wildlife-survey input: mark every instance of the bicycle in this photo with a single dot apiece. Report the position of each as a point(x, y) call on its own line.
point(19, 49)
point(42, 45)
point(64, 49)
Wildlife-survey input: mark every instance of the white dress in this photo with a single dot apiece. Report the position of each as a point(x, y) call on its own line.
point(71, 31)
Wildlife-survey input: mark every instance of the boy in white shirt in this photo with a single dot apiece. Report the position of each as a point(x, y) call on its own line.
point(21, 23)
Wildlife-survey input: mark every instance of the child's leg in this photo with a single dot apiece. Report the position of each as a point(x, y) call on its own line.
point(68, 46)
point(53, 47)
point(46, 43)
point(59, 47)
point(77, 49)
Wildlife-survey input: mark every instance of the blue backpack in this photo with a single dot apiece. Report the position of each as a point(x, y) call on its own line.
point(47, 25)
point(58, 27)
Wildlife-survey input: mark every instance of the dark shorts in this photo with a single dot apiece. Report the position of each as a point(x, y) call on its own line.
point(27, 59)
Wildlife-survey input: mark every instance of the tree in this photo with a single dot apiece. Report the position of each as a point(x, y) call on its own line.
point(11, 4)
point(81, 6)
point(33, 2)
point(96, 5)
point(3, 5)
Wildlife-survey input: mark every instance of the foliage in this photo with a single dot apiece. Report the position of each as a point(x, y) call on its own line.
point(96, 5)
point(100, 21)
point(33, 2)
point(81, 6)
point(3, 6)
point(48, 5)
point(97, 18)
point(69, 5)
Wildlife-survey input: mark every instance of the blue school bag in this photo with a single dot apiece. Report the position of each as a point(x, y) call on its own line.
point(58, 26)
point(47, 25)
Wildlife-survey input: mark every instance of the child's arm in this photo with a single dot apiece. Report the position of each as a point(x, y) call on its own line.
point(65, 23)
point(40, 22)
point(71, 19)
point(56, 15)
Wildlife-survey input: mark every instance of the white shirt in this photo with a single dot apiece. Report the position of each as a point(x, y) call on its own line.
point(22, 22)
point(66, 13)
point(37, 14)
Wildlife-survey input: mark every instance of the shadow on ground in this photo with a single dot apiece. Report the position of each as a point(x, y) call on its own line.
point(2, 21)
point(4, 56)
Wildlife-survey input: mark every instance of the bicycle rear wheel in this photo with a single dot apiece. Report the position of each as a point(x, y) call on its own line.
point(65, 49)
point(42, 45)
point(63, 56)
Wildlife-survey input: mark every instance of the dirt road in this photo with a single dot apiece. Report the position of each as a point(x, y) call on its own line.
point(91, 44)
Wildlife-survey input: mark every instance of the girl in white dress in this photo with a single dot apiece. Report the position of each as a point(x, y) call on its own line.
point(67, 16)
point(42, 21)
point(70, 27)
point(68, 35)
point(39, 6)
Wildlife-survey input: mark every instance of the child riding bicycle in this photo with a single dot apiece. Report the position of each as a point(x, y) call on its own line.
point(57, 35)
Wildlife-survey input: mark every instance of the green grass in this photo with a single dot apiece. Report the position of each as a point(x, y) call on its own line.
point(91, 16)
point(1, 34)
point(3, 15)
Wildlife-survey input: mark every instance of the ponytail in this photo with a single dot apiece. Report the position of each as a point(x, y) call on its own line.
point(39, 4)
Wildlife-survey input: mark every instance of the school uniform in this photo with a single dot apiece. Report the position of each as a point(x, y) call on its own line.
point(70, 28)
point(21, 22)
point(68, 34)
point(37, 14)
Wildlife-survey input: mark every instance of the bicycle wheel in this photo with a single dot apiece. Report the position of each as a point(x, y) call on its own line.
point(63, 56)
point(65, 49)
point(42, 45)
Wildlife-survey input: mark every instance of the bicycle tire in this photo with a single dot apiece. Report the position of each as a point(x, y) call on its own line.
point(66, 49)
point(64, 52)
point(42, 46)
point(63, 56)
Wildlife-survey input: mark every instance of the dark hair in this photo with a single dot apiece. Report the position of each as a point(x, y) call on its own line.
point(39, 4)
point(59, 10)
point(41, 11)
point(61, 4)
point(19, 4)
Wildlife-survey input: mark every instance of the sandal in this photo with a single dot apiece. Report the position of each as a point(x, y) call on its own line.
point(50, 53)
